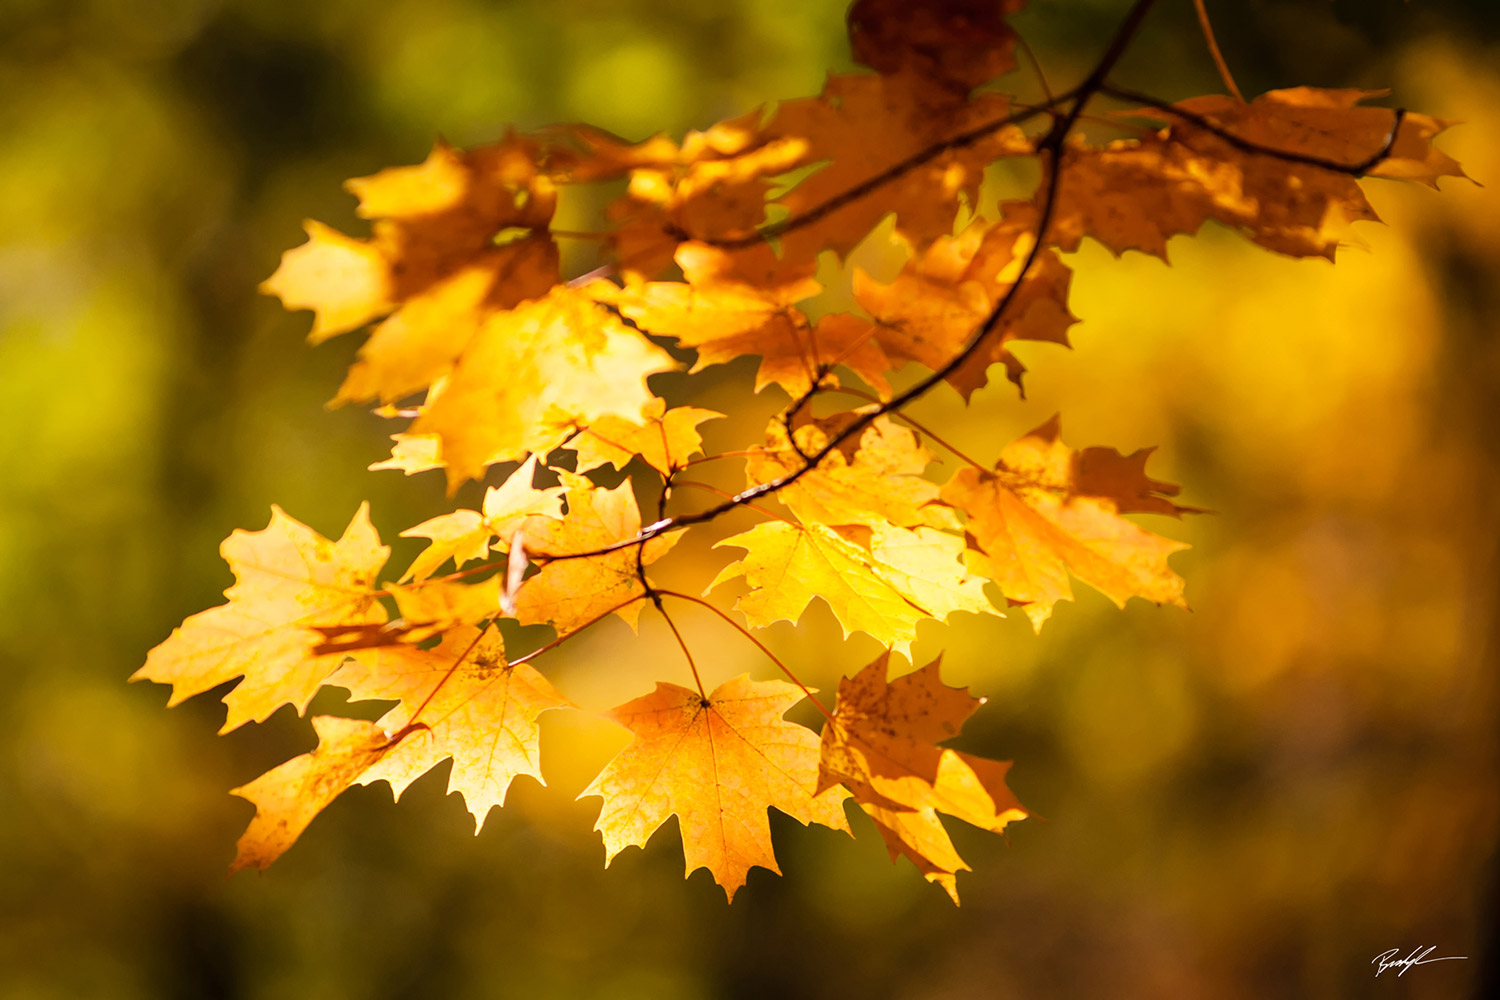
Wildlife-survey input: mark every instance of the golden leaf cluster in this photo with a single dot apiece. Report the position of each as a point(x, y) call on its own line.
point(548, 385)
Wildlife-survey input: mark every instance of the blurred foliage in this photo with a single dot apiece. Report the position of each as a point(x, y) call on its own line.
point(1251, 800)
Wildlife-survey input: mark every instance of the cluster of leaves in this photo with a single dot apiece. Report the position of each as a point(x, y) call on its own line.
point(498, 358)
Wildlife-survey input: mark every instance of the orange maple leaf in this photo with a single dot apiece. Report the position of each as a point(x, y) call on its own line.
point(289, 581)
point(732, 305)
point(860, 127)
point(474, 707)
point(717, 763)
point(939, 301)
point(1046, 509)
point(287, 798)
point(1134, 194)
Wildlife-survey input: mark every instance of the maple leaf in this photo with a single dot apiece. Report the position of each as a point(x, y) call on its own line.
point(665, 440)
point(713, 187)
point(1046, 509)
point(938, 302)
point(732, 305)
point(882, 485)
point(900, 578)
point(572, 593)
point(530, 374)
point(859, 128)
point(436, 606)
point(432, 262)
point(1135, 194)
point(881, 744)
point(289, 581)
point(287, 798)
point(465, 535)
point(717, 763)
point(474, 706)
point(958, 44)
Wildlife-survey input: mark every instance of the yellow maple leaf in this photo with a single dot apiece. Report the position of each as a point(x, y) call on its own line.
point(288, 797)
point(664, 440)
point(432, 262)
point(530, 373)
point(289, 581)
point(884, 588)
point(434, 607)
point(474, 707)
point(1046, 510)
point(465, 535)
point(572, 593)
point(346, 282)
point(717, 763)
point(881, 744)
point(882, 485)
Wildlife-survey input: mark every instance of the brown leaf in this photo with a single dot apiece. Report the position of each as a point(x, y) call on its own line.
point(958, 44)
point(939, 302)
point(881, 744)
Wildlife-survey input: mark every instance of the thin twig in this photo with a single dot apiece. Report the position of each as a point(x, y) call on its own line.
point(1213, 50)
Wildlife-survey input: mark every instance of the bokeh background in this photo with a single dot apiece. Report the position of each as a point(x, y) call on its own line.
point(1250, 800)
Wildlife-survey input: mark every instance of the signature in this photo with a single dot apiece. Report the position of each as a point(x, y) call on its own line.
point(1388, 960)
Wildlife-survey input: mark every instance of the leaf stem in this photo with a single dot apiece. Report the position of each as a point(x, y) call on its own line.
point(568, 635)
point(693, 666)
point(759, 645)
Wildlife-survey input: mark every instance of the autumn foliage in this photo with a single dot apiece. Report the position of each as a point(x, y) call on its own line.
point(499, 359)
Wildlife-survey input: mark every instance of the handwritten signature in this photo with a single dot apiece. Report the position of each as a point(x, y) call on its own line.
point(1388, 960)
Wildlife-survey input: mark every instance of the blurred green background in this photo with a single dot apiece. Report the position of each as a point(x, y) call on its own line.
point(1251, 800)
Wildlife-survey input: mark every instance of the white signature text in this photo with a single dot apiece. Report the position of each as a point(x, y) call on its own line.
point(1388, 960)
